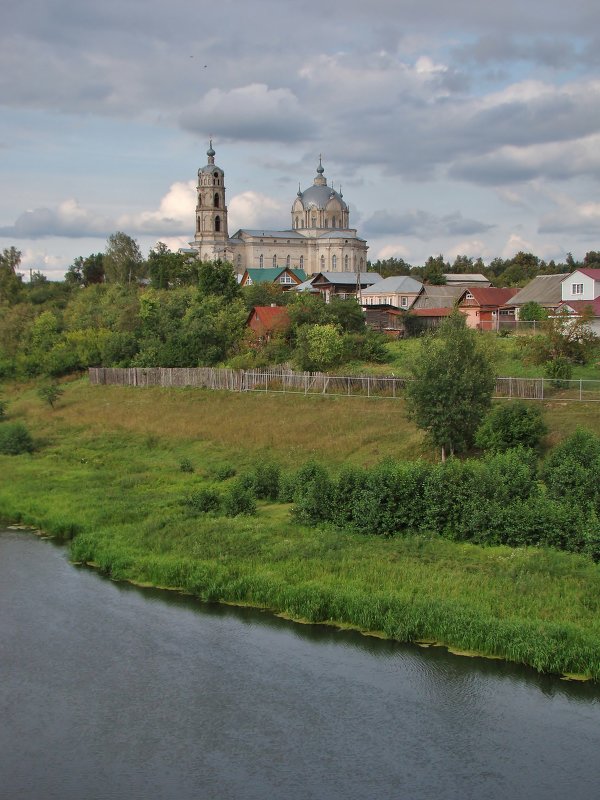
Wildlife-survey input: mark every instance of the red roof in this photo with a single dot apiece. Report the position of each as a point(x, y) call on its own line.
point(591, 273)
point(270, 317)
point(491, 296)
point(579, 305)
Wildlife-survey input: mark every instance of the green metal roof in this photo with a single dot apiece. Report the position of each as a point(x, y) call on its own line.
point(270, 274)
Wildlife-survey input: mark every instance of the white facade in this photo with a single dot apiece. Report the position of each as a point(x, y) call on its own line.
point(398, 291)
point(581, 285)
point(320, 239)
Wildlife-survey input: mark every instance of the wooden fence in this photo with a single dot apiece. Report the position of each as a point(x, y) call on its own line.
point(285, 380)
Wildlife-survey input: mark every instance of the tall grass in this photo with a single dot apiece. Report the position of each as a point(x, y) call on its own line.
point(99, 478)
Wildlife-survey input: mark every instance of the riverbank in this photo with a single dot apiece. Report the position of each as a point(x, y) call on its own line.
point(107, 476)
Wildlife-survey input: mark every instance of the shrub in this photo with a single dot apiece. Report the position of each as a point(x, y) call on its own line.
point(266, 481)
point(224, 471)
point(185, 465)
point(560, 371)
point(3, 405)
point(391, 498)
point(204, 501)
point(571, 470)
point(287, 484)
point(239, 500)
point(50, 393)
point(510, 425)
point(313, 494)
point(15, 439)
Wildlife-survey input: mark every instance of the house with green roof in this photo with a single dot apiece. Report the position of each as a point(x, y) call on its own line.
point(286, 277)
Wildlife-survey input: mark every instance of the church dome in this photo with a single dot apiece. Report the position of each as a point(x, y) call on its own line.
point(210, 166)
point(320, 195)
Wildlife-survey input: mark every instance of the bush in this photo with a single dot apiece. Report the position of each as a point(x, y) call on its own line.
point(239, 500)
point(185, 465)
point(313, 494)
point(391, 498)
point(560, 371)
point(224, 471)
point(571, 470)
point(266, 481)
point(3, 405)
point(50, 393)
point(511, 424)
point(15, 439)
point(204, 501)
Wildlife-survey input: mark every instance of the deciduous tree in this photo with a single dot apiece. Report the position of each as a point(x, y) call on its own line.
point(453, 381)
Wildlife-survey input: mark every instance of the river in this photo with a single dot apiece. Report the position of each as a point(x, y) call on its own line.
point(110, 691)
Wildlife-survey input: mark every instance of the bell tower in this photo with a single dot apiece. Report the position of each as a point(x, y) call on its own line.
point(211, 212)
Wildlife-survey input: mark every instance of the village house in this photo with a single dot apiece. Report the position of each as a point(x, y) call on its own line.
point(343, 285)
point(286, 278)
point(486, 308)
point(268, 320)
point(397, 291)
point(545, 290)
point(580, 293)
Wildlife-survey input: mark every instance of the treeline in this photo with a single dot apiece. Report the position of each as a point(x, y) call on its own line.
point(515, 271)
point(503, 498)
point(54, 329)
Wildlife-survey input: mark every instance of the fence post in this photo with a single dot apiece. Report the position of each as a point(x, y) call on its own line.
point(368, 386)
point(580, 388)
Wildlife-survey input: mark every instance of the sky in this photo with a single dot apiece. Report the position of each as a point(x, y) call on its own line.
point(470, 127)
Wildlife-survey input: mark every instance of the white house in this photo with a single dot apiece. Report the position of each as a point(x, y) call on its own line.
point(583, 284)
point(581, 295)
point(398, 291)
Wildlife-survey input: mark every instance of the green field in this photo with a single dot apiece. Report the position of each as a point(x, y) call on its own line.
point(107, 472)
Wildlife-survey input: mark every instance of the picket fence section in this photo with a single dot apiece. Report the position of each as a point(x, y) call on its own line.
point(312, 383)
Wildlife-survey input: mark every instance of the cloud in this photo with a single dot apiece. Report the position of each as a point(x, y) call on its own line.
point(254, 210)
point(395, 250)
point(422, 224)
point(175, 214)
point(68, 219)
point(556, 161)
point(253, 113)
point(573, 218)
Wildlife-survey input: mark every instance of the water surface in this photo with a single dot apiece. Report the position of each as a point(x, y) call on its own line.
point(108, 691)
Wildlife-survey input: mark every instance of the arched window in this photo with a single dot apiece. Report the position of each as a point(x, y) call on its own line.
point(301, 262)
point(333, 223)
point(360, 265)
point(287, 262)
point(346, 263)
point(261, 262)
point(326, 223)
point(313, 222)
point(274, 261)
point(217, 224)
point(322, 263)
point(239, 260)
point(216, 200)
point(334, 263)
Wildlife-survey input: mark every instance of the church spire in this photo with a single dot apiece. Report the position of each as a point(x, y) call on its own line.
point(210, 153)
point(320, 179)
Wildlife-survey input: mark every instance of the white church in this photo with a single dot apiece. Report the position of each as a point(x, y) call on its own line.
point(320, 239)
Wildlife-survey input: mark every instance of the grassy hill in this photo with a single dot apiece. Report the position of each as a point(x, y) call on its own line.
point(107, 473)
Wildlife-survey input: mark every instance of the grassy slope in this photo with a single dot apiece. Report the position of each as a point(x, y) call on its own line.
point(108, 470)
point(508, 358)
